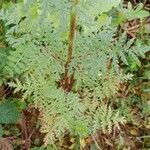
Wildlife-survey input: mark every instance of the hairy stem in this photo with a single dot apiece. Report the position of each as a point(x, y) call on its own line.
point(73, 18)
point(67, 80)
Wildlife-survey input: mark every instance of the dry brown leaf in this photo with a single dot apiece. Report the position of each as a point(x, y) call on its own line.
point(5, 144)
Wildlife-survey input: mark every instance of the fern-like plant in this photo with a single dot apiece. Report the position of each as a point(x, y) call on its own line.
point(67, 65)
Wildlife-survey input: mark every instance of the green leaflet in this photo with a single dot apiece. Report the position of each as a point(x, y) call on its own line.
point(8, 113)
point(126, 14)
point(95, 7)
point(107, 119)
point(130, 13)
point(89, 9)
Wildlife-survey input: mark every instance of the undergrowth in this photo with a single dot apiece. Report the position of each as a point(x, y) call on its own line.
point(76, 63)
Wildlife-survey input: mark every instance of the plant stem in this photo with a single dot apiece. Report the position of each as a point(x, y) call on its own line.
point(68, 80)
point(73, 18)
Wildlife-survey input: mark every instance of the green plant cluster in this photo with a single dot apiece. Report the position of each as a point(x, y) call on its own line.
point(66, 59)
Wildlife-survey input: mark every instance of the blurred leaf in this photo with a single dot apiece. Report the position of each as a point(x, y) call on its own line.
point(8, 113)
point(1, 131)
point(103, 20)
point(82, 142)
point(134, 132)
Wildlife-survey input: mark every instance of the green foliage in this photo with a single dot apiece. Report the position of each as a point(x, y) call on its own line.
point(137, 13)
point(107, 119)
point(130, 13)
point(37, 61)
point(8, 113)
